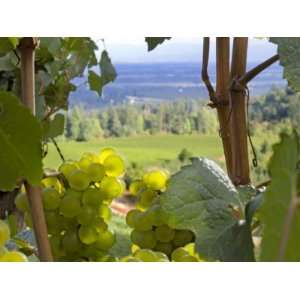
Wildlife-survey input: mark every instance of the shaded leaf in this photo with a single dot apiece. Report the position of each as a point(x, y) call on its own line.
point(280, 212)
point(7, 44)
point(20, 140)
point(153, 42)
point(202, 198)
point(95, 82)
point(55, 127)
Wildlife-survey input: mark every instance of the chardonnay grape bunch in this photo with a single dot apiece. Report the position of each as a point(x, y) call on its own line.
point(76, 204)
point(149, 222)
point(5, 254)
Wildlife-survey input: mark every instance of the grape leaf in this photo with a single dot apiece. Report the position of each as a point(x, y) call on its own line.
point(95, 81)
point(55, 127)
point(289, 57)
point(202, 198)
point(20, 136)
point(280, 212)
point(153, 42)
point(7, 44)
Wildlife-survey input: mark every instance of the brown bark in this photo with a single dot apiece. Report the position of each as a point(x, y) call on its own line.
point(27, 49)
point(238, 115)
point(222, 96)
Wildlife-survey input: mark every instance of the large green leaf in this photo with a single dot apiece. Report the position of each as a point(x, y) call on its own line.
point(280, 212)
point(8, 44)
point(55, 127)
point(20, 140)
point(289, 56)
point(202, 198)
point(153, 42)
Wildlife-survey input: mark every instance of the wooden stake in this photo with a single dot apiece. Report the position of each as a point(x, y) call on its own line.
point(222, 96)
point(238, 116)
point(27, 49)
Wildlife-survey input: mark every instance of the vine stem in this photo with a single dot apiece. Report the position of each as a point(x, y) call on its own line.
point(58, 150)
point(27, 49)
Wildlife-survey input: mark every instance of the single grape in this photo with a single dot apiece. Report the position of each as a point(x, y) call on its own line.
point(104, 212)
point(146, 255)
point(136, 186)
point(70, 205)
point(104, 153)
point(52, 182)
point(156, 215)
point(51, 198)
point(4, 233)
point(155, 180)
point(148, 240)
point(164, 233)
point(161, 257)
point(114, 165)
point(188, 258)
point(178, 253)
point(131, 217)
point(22, 203)
point(105, 240)
point(96, 172)
point(166, 248)
point(88, 235)
point(84, 163)
point(93, 157)
point(56, 246)
point(13, 256)
point(182, 237)
point(100, 225)
point(130, 259)
point(54, 222)
point(87, 215)
point(143, 222)
point(79, 180)
point(71, 243)
point(111, 187)
point(146, 199)
point(92, 196)
point(105, 258)
point(67, 168)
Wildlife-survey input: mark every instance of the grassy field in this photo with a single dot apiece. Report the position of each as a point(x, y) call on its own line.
point(144, 150)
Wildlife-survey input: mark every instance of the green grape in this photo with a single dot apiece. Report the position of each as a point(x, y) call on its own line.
point(52, 182)
point(28, 219)
point(88, 235)
point(105, 258)
point(105, 240)
point(146, 199)
point(93, 157)
point(136, 237)
point(84, 163)
point(69, 224)
point(104, 153)
point(51, 198)
point(156, 215)
point(111, 187)
point(3, 250)
point(79, 180)
point(90, 251)
point(136, 186)
point(71, 243)
point(188, 258)
point(164, 233)
point(67, 168)
point(178, 254)
point(130, 259)
point(22, 203)
point(92, 196)
point(155, 180)
point(114, 165)
point(143, 222)
point(96, 172)
point(100, 225)
point(87, 215)
point(166, 248)
point(146, 255)
point(70, 205)
point(56, 246)
point(161, 257)
point(131, 217)
point(54, 222)
point(13, 256)
point(148, 240)
point(4, 233)
point(104, 212)
point(182, 237)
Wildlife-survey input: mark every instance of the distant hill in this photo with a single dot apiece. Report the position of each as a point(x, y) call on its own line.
point(163, 82)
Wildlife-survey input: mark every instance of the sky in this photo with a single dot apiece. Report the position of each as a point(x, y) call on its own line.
point(134, 50)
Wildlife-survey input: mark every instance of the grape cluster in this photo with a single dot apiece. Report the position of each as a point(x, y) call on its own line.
point(149, 222)
point(76, 205)
point(5, 254)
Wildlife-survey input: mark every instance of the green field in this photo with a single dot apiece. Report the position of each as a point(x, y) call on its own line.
point(144, 150)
